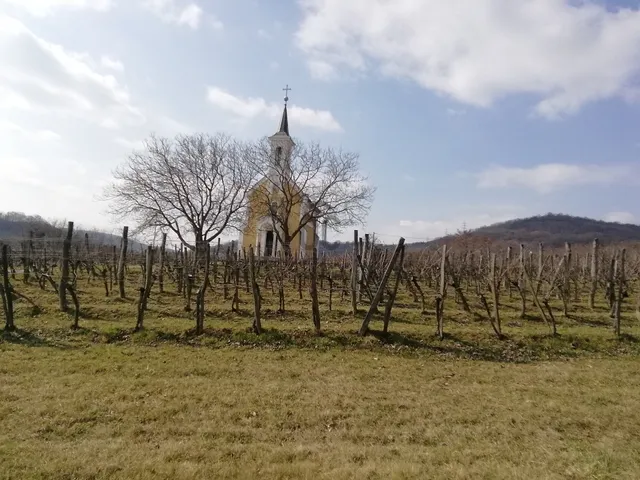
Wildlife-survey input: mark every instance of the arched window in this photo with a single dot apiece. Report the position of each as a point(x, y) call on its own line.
point(278, 155)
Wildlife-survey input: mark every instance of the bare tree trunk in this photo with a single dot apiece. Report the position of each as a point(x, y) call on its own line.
point(189, 291)
point(64, 279)
point(363, 263)
point(566, 285)
point(507, 278)
point(538, 304)
point(440, 298)
point(315, 307)
point(257, 325)
point(163, 254)
point(610, 293)
point(422, 298)
point(354, 274)
point(394, 292)
point(148, 271)
point(145, 290)
point(7, 290)
point(594, 274)
point(364, 328)
point(235, 302)
point(105, 281)
point(114, 267)
point(621, 280)
point(540, 263)
point(123, 259)
point(521, 286)
point(494, 283)
point(201, 292)
point(76, 305)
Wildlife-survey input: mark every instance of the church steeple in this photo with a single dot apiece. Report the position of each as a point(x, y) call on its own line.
point(281, 146)
point(284, 123)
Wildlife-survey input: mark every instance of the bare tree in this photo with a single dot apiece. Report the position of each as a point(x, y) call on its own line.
point(321, 183)
point(195, 186)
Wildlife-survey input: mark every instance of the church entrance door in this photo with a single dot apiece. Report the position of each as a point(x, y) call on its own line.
point(268, 248)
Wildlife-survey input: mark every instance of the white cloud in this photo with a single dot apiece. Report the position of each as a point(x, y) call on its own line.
point(168, 126)
point(620, 217)
point(252, 107)
point(73, 166)
point(548, 177)
point(21, 171)
point(264, 34)
point(130, 144)
point(112, 63)
point(12, 128)
point(43, 8)
point(567, 53)
point(43, 77)
point(179, 13)
point(322, 70)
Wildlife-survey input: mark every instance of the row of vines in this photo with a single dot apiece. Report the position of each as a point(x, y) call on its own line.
point(478, 276)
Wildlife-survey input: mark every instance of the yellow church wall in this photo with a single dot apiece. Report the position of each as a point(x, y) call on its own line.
point(257, 212)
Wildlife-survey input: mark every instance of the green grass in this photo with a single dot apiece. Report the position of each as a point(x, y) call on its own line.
point(107, 402)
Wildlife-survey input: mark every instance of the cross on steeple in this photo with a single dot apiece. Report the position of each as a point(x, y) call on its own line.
point(286, 93)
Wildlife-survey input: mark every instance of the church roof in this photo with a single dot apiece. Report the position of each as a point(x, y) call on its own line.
point(284, 123)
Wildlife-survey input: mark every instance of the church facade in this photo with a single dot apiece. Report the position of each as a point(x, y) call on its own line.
point(259, 230)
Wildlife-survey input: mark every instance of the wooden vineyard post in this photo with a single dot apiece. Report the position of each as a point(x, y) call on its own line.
point(114, 267)
point(145, 290)
point(494, 285)
point(235, 302)
point(566, 279)
point(148, 274)
point(64, 279)
point(507, 278)
point(363, 262)
point(620, 284)
point(594, 274)
point(257, 326)
point(394, 292)
point(522, 283)
point(163, 254)
point(315, 307)
point(7, 296)
point(201, 292)
point(540, 265)
point(440, 297)
point(123, 259)
point(364, 328)
point(354, 274)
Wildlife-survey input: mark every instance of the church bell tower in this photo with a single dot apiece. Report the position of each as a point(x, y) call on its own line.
point(281, 144)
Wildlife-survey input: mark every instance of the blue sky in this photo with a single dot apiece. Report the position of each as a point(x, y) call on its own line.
point(462, 111)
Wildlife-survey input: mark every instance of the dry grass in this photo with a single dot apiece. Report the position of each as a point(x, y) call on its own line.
point(104, 402)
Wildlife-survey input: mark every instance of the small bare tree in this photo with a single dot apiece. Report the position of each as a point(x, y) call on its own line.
point(194, 186)
point(318, 182)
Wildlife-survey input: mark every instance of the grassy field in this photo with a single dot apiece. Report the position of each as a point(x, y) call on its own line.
point(105, 402)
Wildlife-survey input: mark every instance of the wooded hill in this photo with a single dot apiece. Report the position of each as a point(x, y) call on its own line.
point(556, 229)
point(18, 226)
point(550, 229)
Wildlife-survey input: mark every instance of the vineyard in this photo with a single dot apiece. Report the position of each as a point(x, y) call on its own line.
point(470, 286)
point(467, 360)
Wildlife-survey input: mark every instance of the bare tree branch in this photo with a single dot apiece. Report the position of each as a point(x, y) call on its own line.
point(324, 183)
point(195, 186)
